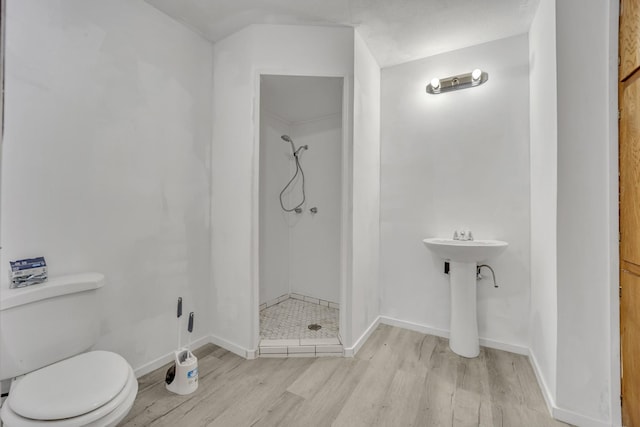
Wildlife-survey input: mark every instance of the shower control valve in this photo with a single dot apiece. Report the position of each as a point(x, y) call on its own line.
point(298, 210)
point(314, 210)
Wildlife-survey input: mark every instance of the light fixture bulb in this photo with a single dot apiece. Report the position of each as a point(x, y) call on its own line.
point(476, 74)
point(435, 83)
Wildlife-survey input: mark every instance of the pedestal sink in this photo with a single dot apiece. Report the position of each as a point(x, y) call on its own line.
point(463, 257)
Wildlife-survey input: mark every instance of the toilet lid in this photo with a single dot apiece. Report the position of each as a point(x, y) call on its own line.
point(70, 388)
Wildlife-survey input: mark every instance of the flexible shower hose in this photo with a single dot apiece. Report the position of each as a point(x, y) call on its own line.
point(298, 171)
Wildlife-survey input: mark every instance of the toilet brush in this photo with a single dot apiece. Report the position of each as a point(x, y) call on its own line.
point(182, 377)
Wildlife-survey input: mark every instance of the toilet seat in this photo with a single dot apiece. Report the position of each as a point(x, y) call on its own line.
point(100, 388)
point(71, 387)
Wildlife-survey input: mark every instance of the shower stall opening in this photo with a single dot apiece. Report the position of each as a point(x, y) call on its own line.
point(300, 211)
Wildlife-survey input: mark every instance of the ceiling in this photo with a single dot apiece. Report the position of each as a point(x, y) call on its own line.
point(396, 31)
point(298, 99)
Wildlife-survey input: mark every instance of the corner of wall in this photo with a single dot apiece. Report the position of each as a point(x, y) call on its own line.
point(365, 306)
point(353, 350)
point(543, 206)
point(586, 266)
point(544, 388)
point(232, 347)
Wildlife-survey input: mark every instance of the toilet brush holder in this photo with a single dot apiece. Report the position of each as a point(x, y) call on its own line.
point(182, 377)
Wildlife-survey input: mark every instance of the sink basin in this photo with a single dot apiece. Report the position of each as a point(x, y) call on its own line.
point(466, 250)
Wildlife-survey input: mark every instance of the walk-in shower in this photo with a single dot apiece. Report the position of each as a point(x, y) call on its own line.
point(300, 214)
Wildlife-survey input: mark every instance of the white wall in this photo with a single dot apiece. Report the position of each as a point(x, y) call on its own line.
point(587, 242)
point(459, 159)
point(275, 163)
point(363, 297)
point(544, 147)
point(574, 215)
point(238, 60)
point(315, 238)
point(105, 160)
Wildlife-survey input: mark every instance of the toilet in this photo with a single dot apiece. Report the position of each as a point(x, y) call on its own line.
point(46, 332)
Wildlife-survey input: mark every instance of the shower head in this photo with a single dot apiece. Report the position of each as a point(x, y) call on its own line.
point(290, 141)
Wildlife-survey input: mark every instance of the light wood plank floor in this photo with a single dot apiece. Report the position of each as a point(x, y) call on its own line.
point(398, 378)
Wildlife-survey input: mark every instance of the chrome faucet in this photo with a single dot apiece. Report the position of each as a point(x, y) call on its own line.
point(463, 235)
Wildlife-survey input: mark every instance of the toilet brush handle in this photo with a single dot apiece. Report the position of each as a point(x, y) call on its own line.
point(179, 314)
point(190, 329)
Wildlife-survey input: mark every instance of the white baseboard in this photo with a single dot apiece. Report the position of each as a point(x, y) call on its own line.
point(424, 329)
point(577, 419)
point(546, 393)
point(351, 351)
point(163, 360)
point(227, 345)
point(232, 347)
point(560, 414)
point(499, 345)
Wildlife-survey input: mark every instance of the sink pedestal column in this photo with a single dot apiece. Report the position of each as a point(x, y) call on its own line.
point(463, 339)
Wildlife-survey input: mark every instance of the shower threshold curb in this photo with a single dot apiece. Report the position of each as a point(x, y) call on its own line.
point(303, 347)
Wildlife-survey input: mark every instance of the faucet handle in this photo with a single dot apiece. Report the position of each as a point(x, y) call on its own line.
point(455, 235)
point(469, 235)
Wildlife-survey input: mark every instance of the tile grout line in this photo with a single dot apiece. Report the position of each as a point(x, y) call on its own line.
point(311, 300)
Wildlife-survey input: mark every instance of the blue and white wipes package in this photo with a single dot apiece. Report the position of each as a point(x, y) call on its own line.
point(25, 272)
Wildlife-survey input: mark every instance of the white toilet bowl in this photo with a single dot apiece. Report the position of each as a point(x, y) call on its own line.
point(97, 388)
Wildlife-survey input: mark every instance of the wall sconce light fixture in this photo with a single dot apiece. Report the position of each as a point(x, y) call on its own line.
point(461, 81)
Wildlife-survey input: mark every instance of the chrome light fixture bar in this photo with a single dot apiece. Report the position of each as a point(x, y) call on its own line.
point(461, 81)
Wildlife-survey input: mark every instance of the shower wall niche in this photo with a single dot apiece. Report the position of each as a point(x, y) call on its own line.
point(300, 252)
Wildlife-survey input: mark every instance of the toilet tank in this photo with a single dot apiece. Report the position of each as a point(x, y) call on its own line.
point(45, 323)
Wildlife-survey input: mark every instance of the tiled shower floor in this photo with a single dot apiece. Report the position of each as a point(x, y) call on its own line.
point(290, 320)
point(284, 329)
